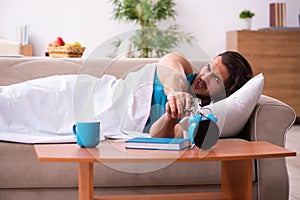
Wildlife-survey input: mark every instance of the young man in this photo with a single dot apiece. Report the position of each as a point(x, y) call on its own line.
point(226, 73)
point(44, 110)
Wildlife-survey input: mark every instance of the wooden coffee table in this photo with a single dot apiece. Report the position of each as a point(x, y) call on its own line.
point(236, 161)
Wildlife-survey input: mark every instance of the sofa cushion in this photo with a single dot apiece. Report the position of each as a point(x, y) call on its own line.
point(234, 111)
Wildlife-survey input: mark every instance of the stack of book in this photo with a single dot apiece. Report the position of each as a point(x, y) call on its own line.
point(278, 14)
point(157, 143)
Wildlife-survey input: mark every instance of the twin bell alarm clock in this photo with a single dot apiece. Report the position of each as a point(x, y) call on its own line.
point(203, 130)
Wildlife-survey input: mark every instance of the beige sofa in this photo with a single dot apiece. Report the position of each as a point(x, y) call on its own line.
point(23, 177)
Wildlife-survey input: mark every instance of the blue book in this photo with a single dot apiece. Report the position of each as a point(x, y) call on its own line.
point(157, 143)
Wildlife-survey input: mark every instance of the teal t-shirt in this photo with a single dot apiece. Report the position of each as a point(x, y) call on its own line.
point(159, 99)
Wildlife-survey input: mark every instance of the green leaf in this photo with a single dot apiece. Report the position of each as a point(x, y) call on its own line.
point(150, 41)
point(246, 14)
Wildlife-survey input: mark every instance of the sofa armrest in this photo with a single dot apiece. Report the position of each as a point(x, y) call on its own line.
point(270, 121)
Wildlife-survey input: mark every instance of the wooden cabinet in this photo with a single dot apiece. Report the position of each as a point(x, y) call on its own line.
point(275, 53)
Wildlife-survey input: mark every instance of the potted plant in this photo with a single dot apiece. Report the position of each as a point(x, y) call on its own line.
point(149, 40)
point(246, 19)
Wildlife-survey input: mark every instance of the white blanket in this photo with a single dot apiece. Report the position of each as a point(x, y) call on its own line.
point(44, 110)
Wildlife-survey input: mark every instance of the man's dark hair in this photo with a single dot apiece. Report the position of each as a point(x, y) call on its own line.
point(239, 69)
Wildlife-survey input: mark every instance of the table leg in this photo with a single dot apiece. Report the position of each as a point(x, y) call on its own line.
point(237, 179)
point(85, 181)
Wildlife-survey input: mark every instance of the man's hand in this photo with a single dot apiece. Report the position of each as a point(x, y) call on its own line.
point(177, 103)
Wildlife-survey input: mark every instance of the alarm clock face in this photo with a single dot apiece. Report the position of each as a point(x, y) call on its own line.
point(206, 134)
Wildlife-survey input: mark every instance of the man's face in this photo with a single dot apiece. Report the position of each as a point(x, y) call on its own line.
point(211, 79)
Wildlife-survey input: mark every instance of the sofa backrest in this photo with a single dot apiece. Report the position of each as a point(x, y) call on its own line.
point(15, 70)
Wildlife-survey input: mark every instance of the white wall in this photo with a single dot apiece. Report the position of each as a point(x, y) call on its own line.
point(90, 22)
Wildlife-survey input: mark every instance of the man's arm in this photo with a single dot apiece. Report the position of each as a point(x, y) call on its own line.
point(163, 127)
point(171, 72)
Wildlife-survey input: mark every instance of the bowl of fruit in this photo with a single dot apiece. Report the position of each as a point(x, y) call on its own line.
point(59, 49)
